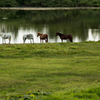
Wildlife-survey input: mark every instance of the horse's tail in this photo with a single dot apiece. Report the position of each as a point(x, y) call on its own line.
point(71, 38)
point(24, 38)
point(10, 38)
point(47, 39)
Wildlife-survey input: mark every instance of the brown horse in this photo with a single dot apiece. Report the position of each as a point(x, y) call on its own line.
point(43, 37)
point(63, 36)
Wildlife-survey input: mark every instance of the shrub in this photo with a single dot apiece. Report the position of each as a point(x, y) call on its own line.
point(8, 3)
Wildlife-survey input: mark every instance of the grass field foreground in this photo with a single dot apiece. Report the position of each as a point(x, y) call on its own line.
point(50, 71)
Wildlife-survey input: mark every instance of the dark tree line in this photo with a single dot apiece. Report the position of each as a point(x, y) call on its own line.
point(50, 3)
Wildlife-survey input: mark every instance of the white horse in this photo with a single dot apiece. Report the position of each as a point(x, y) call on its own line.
point(28, 36)
point(6, 36)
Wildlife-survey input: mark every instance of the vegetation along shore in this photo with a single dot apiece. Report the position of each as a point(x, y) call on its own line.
point(50, 3)
point(50, 71)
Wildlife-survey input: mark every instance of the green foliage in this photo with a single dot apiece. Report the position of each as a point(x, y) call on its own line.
point(28, 96)
point(85, 3)
point(96, 3)
point(8, 3)
point(50, 3)
point(90, 94)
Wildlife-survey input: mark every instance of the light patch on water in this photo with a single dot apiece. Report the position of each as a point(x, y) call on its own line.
point(93, 35)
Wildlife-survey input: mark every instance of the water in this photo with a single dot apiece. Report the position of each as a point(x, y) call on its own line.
point(84, 25)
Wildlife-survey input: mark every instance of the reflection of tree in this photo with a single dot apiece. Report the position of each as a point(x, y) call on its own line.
point(95, 32)
point(8, 28)
point(15, 31)
point(75, 22)
point(2, 28)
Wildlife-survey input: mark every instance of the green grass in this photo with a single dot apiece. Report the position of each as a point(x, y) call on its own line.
point(50, 71)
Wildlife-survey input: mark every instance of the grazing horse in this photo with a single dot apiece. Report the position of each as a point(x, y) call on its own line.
point(63, 36)
point(28, 36)
point(43, 37)
point(6, 36)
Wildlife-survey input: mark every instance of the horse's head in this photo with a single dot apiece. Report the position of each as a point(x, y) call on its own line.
point(1, 34)
point(56, 33)
point(37, 34)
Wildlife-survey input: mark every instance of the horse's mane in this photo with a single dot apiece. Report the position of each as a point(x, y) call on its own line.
point(59, 33)
point(39, 33)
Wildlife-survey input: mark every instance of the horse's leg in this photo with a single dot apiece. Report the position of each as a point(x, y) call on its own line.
point(5, 41)
point(46, 40)
point(40, 40)
point(23, 40)
point(71, 39)
point(2, 40)
point(33, 40)
point(9, 40)
point(30, 41)
point(62, 40)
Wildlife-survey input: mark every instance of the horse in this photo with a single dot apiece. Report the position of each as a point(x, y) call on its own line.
point(63, 36)
point(29, 37)
point(43, 37)
point(6, 36)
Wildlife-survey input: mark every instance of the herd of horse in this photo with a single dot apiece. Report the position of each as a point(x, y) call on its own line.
point(42, 37)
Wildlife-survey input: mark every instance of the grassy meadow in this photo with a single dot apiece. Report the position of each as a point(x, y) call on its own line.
point(50, 71)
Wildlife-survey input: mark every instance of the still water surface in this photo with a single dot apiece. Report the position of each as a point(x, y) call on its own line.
point(84, 25)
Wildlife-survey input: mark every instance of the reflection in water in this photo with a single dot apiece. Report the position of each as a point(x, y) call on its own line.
point(78, 23)
point(93, 35)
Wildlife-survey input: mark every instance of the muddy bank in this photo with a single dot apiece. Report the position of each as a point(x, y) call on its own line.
point(47, 8)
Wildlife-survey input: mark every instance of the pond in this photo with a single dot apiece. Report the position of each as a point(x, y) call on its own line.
point(83, 25)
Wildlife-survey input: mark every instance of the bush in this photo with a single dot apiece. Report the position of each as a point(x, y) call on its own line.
point(96, 3)
point(50, 3)
point(8, 3)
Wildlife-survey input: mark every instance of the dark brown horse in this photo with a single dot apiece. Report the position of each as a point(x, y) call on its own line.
point(63, 36)
point(43, 37)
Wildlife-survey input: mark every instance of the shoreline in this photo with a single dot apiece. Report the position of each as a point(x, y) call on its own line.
point(46, 8)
